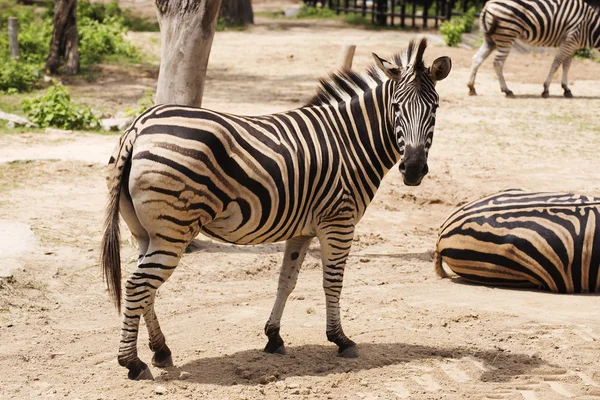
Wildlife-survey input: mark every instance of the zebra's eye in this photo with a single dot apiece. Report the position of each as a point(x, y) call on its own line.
point(434, 108)
point(396, 107)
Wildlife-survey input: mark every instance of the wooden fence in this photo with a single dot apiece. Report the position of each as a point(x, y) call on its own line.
point(402, 13)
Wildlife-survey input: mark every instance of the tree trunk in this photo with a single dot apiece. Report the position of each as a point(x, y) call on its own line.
point(187, 28)
point(64, 38)
point(237, 12)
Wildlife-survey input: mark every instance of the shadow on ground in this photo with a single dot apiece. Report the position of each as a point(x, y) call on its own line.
point(247, 367)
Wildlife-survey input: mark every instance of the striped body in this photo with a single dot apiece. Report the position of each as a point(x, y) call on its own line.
point(567, 24)
point(293, 176)
point(252, 180)
point(517, 238)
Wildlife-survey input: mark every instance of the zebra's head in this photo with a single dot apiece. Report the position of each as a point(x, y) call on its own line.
point(412, 106)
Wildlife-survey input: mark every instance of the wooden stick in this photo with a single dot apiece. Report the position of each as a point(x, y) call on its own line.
point(347, 55)
point(13, 37)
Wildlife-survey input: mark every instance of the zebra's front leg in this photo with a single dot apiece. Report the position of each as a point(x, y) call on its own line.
point(140, 290)
point(295, 251)
point(336, 242)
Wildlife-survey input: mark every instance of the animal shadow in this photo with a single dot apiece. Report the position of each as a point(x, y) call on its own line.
point(247, 367)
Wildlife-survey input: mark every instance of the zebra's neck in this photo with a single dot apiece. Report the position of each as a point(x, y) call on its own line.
point(367, 142)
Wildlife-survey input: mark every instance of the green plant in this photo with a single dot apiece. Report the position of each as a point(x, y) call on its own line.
point(56, 109)
point(18, 76)
point(452, 32)
point(315, 12)
point(467, 19)
point(144, 103)
point(585, 53)
point(356, 19)
point(100, 39)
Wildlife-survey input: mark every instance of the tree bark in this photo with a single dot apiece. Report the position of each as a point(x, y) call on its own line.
point(63, 45)
point(237, 12)
point(187, 28)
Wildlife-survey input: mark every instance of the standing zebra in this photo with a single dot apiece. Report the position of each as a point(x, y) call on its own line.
point(311, 172)
point(517, 238)
point(569, 24)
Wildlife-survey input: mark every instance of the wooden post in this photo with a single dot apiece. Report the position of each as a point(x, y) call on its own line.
point(347, 55)
point(13, 37)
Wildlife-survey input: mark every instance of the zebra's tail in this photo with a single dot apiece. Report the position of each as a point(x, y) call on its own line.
point(110, 251)
point(491, 29)
point(437, 262)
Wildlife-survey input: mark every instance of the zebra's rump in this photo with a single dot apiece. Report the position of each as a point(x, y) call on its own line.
point(518, 238)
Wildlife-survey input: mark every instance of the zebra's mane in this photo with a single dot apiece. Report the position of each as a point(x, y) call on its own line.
point(345, 84)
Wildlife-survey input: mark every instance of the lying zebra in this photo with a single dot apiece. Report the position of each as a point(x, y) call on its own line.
point(525, 239)
point(292, 176)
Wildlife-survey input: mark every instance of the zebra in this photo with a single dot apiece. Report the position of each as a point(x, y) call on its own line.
point(519, 238)
point(568, 24)
point(311, 172)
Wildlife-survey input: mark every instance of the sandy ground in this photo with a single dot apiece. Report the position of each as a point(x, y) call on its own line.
point(419, 337)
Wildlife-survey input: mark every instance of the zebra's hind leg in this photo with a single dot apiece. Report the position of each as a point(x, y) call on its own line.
point(336, 241)
point(153, 270)
point(484, 51)
point(564, 56)
point(499, 60)
point(295, 250)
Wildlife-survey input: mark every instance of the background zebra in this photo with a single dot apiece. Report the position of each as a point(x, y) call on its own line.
point(306, 173)
point(569, 24)
point(518, 238)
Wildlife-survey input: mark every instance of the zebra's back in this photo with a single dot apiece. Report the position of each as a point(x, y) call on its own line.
point(538, 22)
point(518, 238)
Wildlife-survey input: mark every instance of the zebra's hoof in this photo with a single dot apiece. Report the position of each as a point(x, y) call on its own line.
point(568, 94)
point(164, 363)
point(472, 92)
point(510, 94)
point(545, 94)
point(143, 375)
point(280, 350)
point(350, 352)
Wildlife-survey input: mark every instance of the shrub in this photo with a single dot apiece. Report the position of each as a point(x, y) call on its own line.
point(452, 32)
point(585, 52)
point(315, 12)
point(467, 20)
point(56, 109)
point(100, 39)
point(16, 76)
point(144, 103)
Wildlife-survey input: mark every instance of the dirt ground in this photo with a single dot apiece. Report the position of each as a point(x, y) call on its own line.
point(419, 337)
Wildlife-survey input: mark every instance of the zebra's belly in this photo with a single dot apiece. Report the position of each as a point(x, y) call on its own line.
point(231, 226)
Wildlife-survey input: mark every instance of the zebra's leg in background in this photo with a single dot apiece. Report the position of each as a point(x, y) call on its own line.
point(295, 250)
point(484, 51)
point(336, 242)
point(564, 56)
point(565, 79)
point(154, 269)
point(499, 60)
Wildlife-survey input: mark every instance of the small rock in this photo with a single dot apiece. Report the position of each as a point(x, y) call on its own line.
point(160, 390)
point(11, 125)
point(184, 375)
point(263, 380)
point(310, 310)
point(115, 124)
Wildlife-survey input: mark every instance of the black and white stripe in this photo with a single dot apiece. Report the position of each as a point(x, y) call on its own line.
point(310, 172)
point(518, 238)
point(567, 24)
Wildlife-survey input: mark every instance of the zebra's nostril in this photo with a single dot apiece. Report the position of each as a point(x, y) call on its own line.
point(403, 167)
point(425, 170)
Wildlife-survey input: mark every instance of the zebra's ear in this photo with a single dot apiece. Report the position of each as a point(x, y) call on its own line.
point(392, 71)
point(440, 68)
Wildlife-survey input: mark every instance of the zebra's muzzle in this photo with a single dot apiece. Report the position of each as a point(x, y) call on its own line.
point(414, 165)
